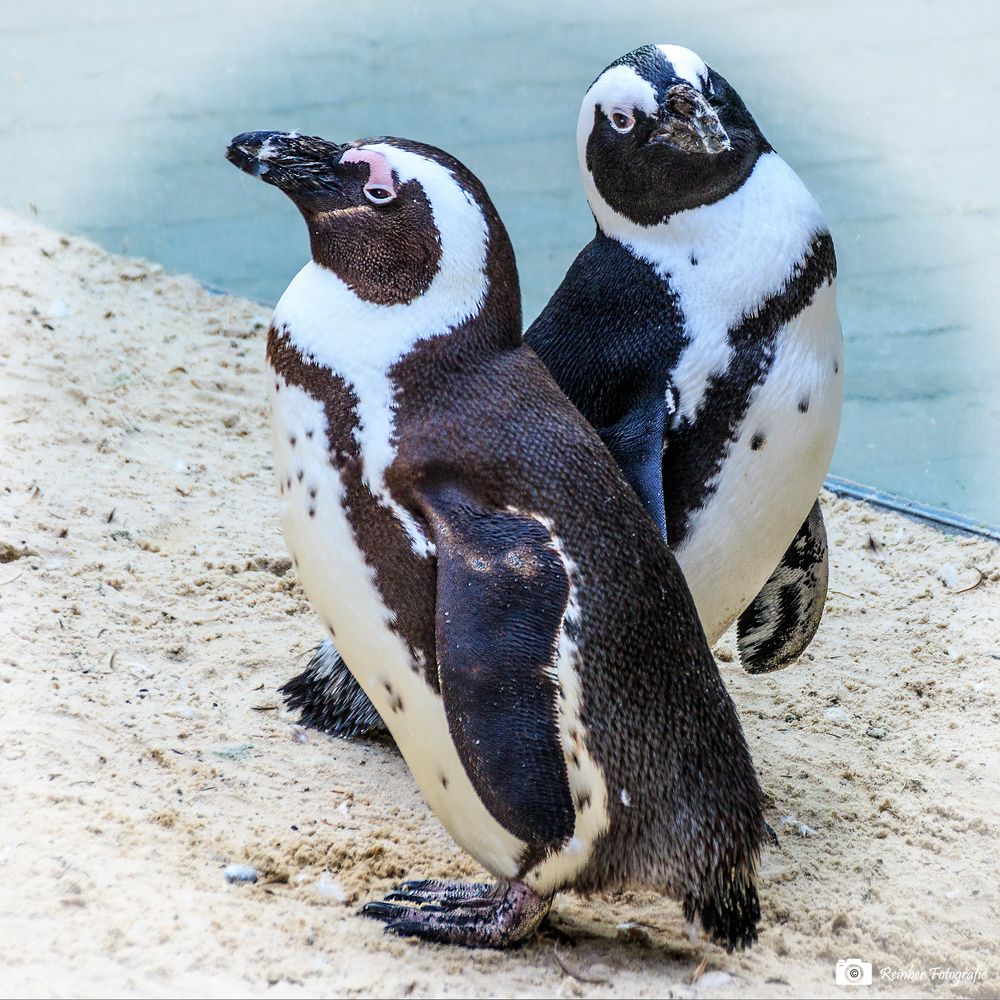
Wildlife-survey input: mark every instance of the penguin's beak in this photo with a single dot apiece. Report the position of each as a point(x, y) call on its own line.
point(689, 123)
point(294, 163)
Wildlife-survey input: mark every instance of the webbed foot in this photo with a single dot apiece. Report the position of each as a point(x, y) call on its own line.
point(473, 915)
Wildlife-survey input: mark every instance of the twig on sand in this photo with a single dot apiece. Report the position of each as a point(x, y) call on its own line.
point(698, 972)
point(965, 590)
point(573, 974)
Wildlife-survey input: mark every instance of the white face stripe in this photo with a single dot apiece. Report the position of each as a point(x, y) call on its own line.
point(687, 65)
point(361, 340)
point(621, 88)
point(617, 89)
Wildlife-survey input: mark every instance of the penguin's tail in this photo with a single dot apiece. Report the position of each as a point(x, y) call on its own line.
point(329, 698)
point(730, 914)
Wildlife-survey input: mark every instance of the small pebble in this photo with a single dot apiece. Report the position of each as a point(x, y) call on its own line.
point(240, 873)
point(800, 828)
point(713, 980)
point(634, 934)
point(330, 888)
point(56, 310)
point(836, 714)
point(876, 733)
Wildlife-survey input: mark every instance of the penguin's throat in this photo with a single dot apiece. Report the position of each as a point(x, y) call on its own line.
point(376, 267)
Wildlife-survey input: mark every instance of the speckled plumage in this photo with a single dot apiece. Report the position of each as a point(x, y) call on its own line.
point(491, 580)
point(698, 332)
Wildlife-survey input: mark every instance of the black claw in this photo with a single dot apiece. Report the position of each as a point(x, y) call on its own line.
point(417, 885)
point(379, 910)
point(438, 891)
point(409, 928)
point(404, 897)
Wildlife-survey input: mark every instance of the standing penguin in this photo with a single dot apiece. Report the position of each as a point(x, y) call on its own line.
point(698, 333)
point(490, 579)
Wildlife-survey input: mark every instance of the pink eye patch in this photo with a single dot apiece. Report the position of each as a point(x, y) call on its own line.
point(379, 172)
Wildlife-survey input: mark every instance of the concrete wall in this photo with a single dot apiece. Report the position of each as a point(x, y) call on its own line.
point(114, 115)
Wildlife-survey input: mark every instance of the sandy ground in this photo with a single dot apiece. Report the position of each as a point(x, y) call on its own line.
point(149, 612)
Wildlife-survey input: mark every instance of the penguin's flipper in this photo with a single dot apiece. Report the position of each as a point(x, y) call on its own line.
point(329, 698)
point(502, 591)
point(636, 441)
point(782, 619)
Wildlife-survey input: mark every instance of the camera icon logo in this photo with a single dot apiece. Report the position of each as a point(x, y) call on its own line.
point(853, 972)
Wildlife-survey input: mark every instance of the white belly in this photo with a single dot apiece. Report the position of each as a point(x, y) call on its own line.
point(762, 497)
point(341, 588)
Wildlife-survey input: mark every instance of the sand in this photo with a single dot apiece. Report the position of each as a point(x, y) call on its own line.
point(149, 613)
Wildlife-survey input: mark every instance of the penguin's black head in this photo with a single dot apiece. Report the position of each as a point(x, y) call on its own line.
point(661, 132)
point(388, 216)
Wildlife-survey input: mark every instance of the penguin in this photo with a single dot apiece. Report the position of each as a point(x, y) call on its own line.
point(491, 580)
point(698, 332)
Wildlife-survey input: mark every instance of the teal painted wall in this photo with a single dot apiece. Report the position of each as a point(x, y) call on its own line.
point(114, 115)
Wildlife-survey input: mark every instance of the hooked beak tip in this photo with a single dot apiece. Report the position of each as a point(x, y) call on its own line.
point(250, 150)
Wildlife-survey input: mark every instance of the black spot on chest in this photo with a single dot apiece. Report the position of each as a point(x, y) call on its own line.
point(697, 448)
point(405, 580)
point(613, 333)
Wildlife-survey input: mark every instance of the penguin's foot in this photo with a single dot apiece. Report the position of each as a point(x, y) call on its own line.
point(469, 914)
point(330, 699)
point(435, 891)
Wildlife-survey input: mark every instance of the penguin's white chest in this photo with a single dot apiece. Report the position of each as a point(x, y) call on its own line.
point(341, 586)
point(724, 262)
point(772, 471)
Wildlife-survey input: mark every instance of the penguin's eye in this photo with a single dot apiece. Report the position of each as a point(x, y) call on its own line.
point(379, 195)
point(621, 121)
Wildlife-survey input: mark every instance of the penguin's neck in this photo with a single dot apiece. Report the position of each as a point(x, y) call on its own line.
point(331, 325)
point(723, 259)
point(723, 262)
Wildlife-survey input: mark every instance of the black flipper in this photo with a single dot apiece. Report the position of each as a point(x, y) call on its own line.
point(329, 698)
point(502, 591)
point(636, 441)
point(782, 619)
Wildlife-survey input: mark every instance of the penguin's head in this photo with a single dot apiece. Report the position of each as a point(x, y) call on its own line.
point(661, 132)
point(396, 220)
